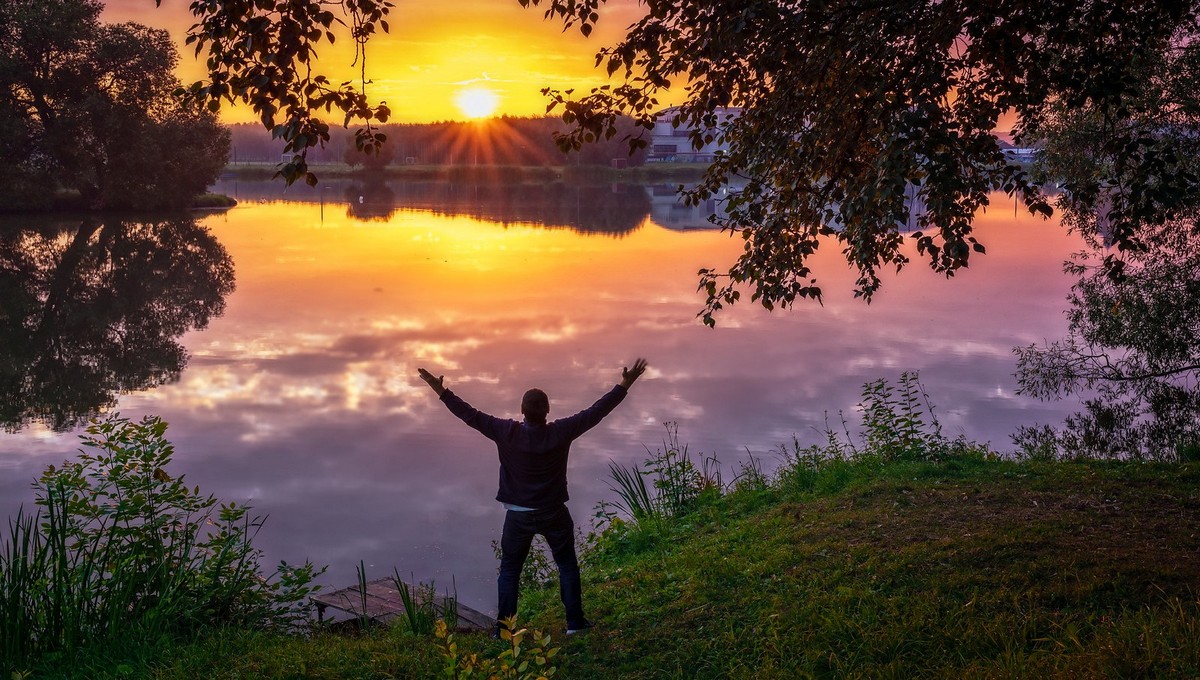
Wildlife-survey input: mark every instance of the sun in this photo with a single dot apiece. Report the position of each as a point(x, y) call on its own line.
point(477, 102)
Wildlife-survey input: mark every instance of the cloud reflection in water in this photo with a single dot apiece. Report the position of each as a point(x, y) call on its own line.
point(304, 397)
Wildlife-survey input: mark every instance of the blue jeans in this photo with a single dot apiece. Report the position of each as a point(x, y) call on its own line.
point(556, 525)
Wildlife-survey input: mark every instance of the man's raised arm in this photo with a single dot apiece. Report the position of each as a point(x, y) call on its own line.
point(488, 425)
point(589, 417)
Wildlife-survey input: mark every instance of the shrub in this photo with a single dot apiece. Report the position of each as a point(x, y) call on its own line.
point(900, 424)
point(539, 570)
point(120, 547)
point(527, 656)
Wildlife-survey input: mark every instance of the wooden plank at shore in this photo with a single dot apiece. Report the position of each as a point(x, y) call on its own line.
point(384, 603)
point(473, 619)
point(386, 590)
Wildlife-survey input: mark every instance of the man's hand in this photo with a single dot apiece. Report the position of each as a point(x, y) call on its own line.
point(434, 383)
point(629, 375)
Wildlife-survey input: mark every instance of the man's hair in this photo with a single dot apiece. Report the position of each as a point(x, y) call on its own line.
point(535, 405)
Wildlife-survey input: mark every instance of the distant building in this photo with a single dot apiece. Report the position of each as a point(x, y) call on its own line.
point(1018, 154)
point(669, 144)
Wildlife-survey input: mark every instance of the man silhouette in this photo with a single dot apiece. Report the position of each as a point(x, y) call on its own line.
point(533, 484)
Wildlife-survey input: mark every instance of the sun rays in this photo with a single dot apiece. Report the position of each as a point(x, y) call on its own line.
point(491, 142)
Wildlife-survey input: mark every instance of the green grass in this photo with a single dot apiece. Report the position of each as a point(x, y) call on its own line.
point(968, 568)
point(963, 567)
point(243, 654)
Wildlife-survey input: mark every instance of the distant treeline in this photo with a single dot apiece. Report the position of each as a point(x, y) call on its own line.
point(498, 141)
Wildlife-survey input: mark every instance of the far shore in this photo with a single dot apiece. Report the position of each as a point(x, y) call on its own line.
point(509, 174)
point(69, 203)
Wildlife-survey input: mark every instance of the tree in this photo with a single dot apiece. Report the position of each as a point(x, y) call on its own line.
point(89, 310)
point(91, 107)
point(1132, 348)
point(851, 111)
point(852, 108)
point(1133, 342)
point(261, 52)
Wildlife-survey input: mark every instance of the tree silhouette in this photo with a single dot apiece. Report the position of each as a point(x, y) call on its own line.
point(90, 107)
point(94, 309)
point(1132, 348)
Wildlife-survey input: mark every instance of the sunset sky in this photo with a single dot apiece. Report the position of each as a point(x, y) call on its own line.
point(442, 60)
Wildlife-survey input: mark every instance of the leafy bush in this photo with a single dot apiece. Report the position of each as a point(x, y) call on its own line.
point(900, 424)
point(518, 661)
point(1112, 428)
point(1036, 443)
point(120, 547)
point(539, 570)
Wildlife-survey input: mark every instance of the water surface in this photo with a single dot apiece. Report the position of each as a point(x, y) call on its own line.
point(301, 394)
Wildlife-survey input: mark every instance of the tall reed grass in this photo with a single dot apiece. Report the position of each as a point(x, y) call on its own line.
point(421, 610)
point(119, 547)
point(898, 424)
point(668, 484)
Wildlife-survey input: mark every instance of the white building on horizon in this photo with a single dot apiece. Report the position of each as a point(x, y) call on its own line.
point(669, 144)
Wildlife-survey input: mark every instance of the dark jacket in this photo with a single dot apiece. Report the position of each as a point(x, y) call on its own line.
point(533, 458)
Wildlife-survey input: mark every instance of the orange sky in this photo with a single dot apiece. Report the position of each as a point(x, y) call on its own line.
point(435, 50)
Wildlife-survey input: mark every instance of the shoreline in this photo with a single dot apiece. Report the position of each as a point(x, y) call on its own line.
point(505, 174)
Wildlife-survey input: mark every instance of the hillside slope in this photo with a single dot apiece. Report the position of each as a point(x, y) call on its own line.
point(966, 568)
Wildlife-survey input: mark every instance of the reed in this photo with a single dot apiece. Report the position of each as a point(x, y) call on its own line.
point(420, 611)
point(635, 498)
point(675, 484)
point(364, 619)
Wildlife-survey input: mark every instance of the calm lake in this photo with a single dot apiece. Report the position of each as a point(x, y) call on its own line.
point(301, 394)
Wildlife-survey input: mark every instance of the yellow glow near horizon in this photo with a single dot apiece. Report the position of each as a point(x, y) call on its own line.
point(420, 66)
point(477, 101)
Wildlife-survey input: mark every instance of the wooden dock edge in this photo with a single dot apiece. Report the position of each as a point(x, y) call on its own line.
point(383, 603)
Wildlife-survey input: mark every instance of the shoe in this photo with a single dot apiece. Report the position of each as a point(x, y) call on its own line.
point(579, 628)
point(495, 634)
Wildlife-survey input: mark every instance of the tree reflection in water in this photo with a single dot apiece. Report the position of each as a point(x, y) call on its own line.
point(593, 209)
point(1133, 342)
point(92, 309)
point(608, 209)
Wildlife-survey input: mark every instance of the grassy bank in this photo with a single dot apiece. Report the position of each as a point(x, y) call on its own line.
point(898, 554)
point(213, 202)
point(967, 567)
point(650, 173)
